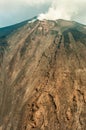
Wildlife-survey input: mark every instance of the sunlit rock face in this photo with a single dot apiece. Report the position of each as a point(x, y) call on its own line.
point(43, 77)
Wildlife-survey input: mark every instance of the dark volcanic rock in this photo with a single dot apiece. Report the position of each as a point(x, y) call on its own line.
point(43, 77)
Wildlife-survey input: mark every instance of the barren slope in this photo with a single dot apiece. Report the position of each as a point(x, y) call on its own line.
point(43, 77)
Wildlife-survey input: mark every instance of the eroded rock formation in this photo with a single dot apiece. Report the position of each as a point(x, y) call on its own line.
point(43, 77)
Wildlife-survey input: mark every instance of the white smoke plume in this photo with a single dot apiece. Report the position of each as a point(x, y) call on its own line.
point(65, 9)
point(14, 11)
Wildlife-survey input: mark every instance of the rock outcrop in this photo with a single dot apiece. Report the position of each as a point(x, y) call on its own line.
point(43, 77)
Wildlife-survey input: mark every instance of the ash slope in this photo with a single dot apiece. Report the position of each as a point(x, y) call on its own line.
point(43, 77)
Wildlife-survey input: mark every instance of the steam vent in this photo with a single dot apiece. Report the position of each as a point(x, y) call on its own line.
point(43, 76)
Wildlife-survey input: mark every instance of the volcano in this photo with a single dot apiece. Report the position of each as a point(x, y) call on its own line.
point(43, 76)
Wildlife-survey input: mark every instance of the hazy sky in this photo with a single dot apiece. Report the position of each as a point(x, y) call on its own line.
point(14, 11)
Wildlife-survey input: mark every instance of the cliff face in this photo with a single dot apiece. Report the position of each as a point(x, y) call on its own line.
point(43, 77)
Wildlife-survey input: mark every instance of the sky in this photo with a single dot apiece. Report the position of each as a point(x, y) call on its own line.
point(15, 11)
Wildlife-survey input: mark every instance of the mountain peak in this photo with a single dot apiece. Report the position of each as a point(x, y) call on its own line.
point(43, 76)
